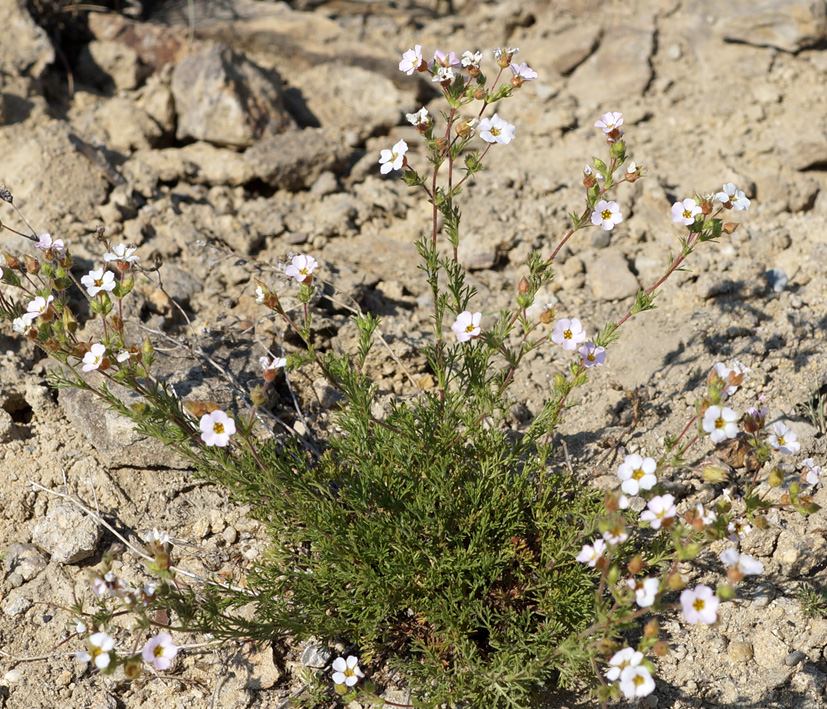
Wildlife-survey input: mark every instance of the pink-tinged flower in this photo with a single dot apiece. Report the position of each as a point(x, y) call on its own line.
point(301, 268)
point(276, 363)
point(645, 590)
point(636, 682)
point(97, 281)
point(627, 657)
point(523, 71)
point(592, 355)
point(346, 672)
point(393, 159)
point(100, 645)
point(121, 252)
point(590, 554)
point(660, 511)
point(719, 423)
point(783, 440)
point(93, 359)
point(420, 118)
point(411, 60)
point(609, 122)
point(38, 307)
point(742, 563)
point(99, 587)
point(637, 473)
point(159, 651)
point(814, 472)
point(496, 130)
point(46, 242)
point(685, 212)
point(443, 75)
point(732, 197)
point(467, 326)
point(446, 60)
point(700, 605)
point(606, 215)
point(568, 333)
point(216, 428)
point(471, 59)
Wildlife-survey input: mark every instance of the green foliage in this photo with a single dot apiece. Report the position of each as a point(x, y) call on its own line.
point(813, 601)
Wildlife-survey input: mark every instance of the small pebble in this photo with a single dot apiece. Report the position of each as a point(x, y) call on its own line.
point(13, 676)
point(778, 279)
point(315, 656)
point(794, 658)
point(740, 651)
point(762, 595)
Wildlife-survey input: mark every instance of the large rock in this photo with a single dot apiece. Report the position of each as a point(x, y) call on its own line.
point(224, 98)
point(348, 99)
point(26, 47)
point(609, 275)
point(789, 25)
point(67, 534)
point(154, 45)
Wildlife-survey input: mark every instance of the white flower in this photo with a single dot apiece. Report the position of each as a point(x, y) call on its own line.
point(783, 440)
point(467, 326)
point(121, 252)
point(616, 534)
point(814, 472)
point(627, 657)
point(124, 355)
point(98, 280)
point(100, 645)
point(420, 118)
point(471, 59)
point(645, 590)
point(637, 473)
point(275, 363)
point(38, 306)
point(606, 215)
point(732, 376)
point(80, 628)
point(444, 73)
point(99, 587)
point(706, 516)
point(590, 554)
point(523, 71)
point(260, 294)
point(636, 682)
point(609, 122)
point(411, 60)
point(699, 605)
point(157, 536)
point(631, 168)
point(739, 528)
point(301, 268)
point(94, 358)
point(23, 323)
point(732, 197)
point(592, 355)
point(216, 428)
point(588, 170)
point(623, 502)
point(45, 242)
point(660, 509)
point(496, 130)
point(685, 212)
point(393, 159)
point(347, 672)
point(719, 423)
point(743, 563)
point(159, 651)
point(569, 333)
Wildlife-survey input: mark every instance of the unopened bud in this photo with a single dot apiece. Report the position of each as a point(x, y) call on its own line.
point(652, 628)
point(441, 144)
point(116, 321)
point(70, 323)
point(589, 180)
point(776, 478)
point(523, 286)
point(11, 261)
point(465, 128)
point(636, 565)
point(32, 264)
point(660, 648)
point(258, 396)
point(676, 583)
point(147, 348)
point(714, 474)
point(547, 316)
point(730, 227)
point(480, 94)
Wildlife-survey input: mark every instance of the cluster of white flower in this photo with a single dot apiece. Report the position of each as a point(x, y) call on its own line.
point(159, 651)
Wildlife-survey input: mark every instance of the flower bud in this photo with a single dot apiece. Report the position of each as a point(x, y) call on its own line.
point(660, 648)
point(776, 478)
point(70, 323)
point(257, 395)
point(523, 286)
point(517, 81)
point(465, 128)
point(714, 474)
point(480, 94)
point(676, 583)
point(725, 592)
point(589, 180)
point(66, 260)
point(116, 321)
point(734, 575)
point(441, 144)
point(636, 565)
point(11, 261)
point(730, 227)
point(147, 348)
point(32, 264)
point(547, 316)
point(652, 628)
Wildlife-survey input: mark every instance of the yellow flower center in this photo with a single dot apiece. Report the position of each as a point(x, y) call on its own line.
point(638, 680)
point(606, 214)
point(494, 131)
point(590, 357)
point(699, 604)
point(719, 422)
point(781, 441)
point(349, 672)
point(99, 282)
point(158, 651)
point(470, 327)
point(218, 428)
point(638, 474)
point(687, 214)
point(567, 334)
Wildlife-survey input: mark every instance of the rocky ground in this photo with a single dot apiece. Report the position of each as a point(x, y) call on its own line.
point(220, 138)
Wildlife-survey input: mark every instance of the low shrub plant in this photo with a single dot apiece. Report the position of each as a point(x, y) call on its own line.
point(430, 538)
